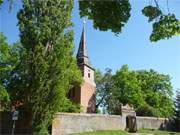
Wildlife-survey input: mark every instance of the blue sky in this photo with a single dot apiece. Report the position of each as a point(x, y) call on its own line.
point(131, 47)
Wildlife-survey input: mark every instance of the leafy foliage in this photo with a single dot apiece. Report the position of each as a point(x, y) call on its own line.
point(4, 98)
point(9, 55)
point(128, 86)
point(9, 59)
point(106, 15)
point(151, 12)
point(113, 15)
point(104, 84)
point(165, 28)
point(68, 106)
point(126, 90)
point(1, 1)
point(149, 92)
point(157, 91)
point(48, 69)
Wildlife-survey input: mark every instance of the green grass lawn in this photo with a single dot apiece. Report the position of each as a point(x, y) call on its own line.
point(118, 132)
point(157, 132)
point(109, 132)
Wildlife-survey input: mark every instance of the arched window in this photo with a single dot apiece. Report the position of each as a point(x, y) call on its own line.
point(89, 75)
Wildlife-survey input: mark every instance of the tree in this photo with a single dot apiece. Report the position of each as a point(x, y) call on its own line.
point(113, 15)
point(113, 91)
point(157, 91)
point(48, 69)
point(106, 15)
point(9, 55)
point(9, 59)
point(126, 91)
point(149, 92)
point(104, 85)
point(164, 26)
point(4, 98)
point(1, 1)
point(177, 110)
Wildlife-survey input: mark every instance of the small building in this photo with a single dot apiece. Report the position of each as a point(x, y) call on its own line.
point(85, 95)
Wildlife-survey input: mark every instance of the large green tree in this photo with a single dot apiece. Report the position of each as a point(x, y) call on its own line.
point(113, 15)
point(126, 91)
point(47, 69)
point(157, 91)
point(149, 92)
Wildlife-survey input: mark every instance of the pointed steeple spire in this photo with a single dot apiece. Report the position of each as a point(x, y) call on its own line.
point(82, 55)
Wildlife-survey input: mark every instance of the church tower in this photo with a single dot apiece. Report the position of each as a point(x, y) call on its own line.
point(85, 94)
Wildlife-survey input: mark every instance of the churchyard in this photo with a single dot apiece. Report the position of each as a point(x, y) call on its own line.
point(89, 67)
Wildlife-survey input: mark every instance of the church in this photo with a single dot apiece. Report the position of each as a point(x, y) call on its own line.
point(85, 95)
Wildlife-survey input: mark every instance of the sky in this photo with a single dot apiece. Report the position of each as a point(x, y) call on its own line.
point(106, 50)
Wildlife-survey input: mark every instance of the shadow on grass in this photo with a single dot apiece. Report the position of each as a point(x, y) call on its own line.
point(157, 132)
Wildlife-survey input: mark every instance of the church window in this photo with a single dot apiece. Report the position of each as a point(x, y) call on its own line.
point(89, 75)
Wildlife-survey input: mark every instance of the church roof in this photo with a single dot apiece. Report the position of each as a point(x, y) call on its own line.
point(82, 55)
point(82, 51)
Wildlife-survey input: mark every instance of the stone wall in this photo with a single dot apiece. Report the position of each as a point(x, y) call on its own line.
point(65, 123)
point(152, 123)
